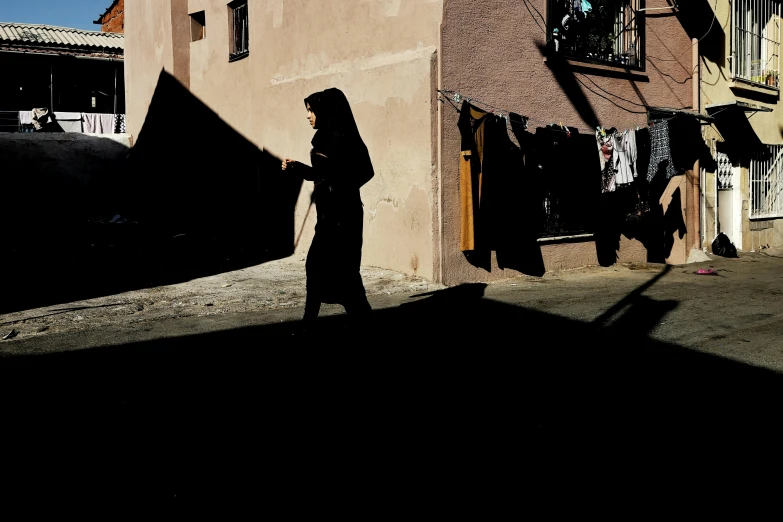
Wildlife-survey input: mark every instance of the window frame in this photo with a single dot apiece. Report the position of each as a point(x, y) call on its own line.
point(765, 176)
point(198, 23)
point(770, 7)
point(639, 27)
point(235, 11)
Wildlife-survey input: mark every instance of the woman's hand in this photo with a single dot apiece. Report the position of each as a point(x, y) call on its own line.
point(289, 164)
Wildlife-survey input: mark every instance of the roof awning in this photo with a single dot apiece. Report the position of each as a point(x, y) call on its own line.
point(732, 123)
point(747, 107)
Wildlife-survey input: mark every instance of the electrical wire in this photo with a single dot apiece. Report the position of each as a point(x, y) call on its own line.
point(534, 18)
point(454, 97)
point(611, 94)
point(608, 99)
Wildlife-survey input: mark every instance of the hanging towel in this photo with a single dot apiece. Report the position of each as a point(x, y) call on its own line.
point(25, 117)
point(660, 151)
point(96, 123)
point(69, 121)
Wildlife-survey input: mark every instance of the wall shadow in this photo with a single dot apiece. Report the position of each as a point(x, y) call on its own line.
point(571, 87)
point(696, 17)
point(192, 198)
point(157, 417)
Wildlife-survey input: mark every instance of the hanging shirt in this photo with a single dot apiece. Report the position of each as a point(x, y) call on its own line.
point(606, 155)
point(624, 157)
point(25, 117)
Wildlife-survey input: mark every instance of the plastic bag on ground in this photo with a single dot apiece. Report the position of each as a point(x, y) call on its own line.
point(722, 246)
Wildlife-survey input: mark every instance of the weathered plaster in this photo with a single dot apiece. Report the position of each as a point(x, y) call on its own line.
point(379, 52)
point(148, 30)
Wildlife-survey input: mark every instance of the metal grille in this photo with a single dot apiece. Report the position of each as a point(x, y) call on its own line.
point(607, 32)
point(766, 183)
point(725, 174)
point(241, 42)
point(756, 45)
point(9, 121)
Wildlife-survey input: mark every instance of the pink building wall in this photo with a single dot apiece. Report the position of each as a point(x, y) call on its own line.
point(493, 50)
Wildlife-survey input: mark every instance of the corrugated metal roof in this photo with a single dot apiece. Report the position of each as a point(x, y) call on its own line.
point(34, 35)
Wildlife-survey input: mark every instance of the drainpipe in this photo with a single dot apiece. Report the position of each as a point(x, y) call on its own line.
point(51, 88)
point(115, 89)
point(694, 207)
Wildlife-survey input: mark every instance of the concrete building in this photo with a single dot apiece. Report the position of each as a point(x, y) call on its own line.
point(251, 63)
point(740, 86)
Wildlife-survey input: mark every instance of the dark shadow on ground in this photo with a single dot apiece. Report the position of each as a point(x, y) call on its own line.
point(450, 375)
point(192, 198)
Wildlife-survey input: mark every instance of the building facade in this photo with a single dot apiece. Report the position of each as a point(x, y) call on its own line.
point(407, 66)
point(740, 86)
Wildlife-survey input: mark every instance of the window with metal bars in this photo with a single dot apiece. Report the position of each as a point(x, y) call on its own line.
point(755, 46)
point(238, 30)
point(766, 183)
point(609, 32)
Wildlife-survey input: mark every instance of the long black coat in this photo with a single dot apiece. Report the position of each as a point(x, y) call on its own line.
point(335, 255)
point(340, 166)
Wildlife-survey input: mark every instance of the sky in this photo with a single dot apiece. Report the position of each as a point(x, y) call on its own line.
point(78, 14)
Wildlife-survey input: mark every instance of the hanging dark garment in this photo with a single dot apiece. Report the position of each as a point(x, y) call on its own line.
point(522, 218)
point(485, 165)
point(340, 166)
point(643, 151)
point(686, 142)
point(570, 180)
point(472, 128)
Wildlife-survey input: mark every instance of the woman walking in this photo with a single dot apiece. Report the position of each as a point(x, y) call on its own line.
point(340, 166)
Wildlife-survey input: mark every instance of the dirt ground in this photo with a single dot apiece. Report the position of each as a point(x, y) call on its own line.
point(280, 284)
point(272, 285)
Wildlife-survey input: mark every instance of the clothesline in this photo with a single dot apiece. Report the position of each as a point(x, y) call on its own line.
point(617, 148)
point(458, 97)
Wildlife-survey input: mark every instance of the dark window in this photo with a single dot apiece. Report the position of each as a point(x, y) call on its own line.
point(608, 32)
point(198, 26)
point(238, 30)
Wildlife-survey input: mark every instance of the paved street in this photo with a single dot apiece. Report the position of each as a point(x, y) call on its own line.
point(629, 351)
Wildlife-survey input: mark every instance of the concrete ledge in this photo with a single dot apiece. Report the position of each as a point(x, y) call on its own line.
point(746, 85)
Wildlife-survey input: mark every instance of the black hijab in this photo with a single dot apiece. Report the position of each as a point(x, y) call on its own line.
point(337, 135)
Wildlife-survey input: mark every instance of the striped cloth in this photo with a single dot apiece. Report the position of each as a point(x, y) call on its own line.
point(119, 124)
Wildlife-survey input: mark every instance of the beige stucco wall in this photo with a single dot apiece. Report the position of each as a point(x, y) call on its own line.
point(381, 53)
point(148, 31)
point(718, 86)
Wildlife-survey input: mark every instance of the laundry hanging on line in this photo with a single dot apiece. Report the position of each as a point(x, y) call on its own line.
point(546, 167)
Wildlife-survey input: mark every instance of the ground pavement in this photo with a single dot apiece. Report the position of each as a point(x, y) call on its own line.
point(642, 355)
